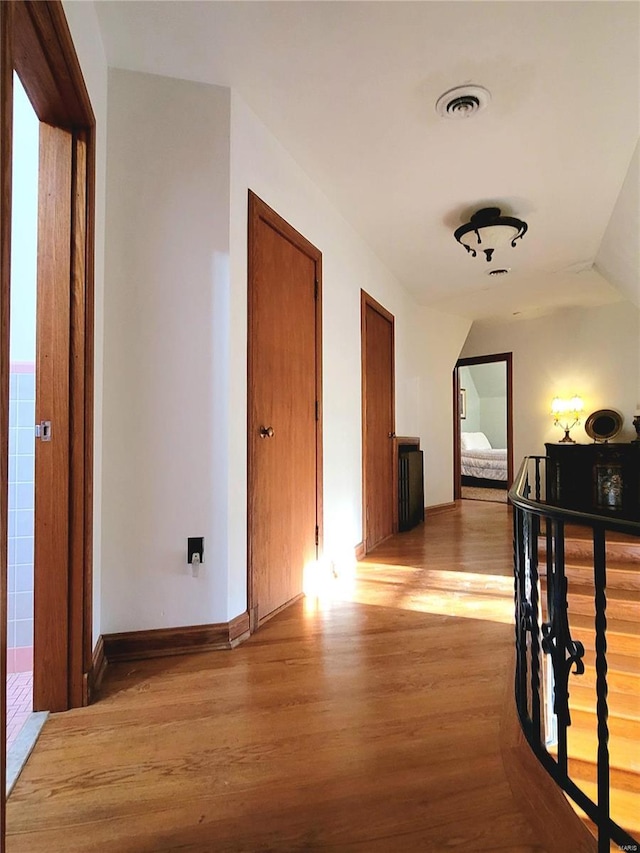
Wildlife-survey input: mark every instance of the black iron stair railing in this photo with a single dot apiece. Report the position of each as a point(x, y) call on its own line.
point(542, 642)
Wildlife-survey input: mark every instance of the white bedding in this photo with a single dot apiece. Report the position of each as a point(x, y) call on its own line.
point(489, 464)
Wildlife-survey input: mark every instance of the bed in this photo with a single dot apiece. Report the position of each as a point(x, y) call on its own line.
point(481, 464)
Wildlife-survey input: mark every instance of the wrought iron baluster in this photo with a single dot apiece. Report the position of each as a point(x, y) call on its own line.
point(520, 615)
point(602, 710)
point(565, 652)
point(554, 638)
point(535, 630)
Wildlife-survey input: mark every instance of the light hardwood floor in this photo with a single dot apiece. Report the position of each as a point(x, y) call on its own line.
point(376, 718)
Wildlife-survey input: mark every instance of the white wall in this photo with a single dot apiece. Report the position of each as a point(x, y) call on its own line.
point(83, 24)
point(165, 343)
point(486, 410)
point(491, 383)
point(427, 344)
point(588, 351)
point(493, 420)
point(471, 423)
point(618, 257)
point(171, 387)
point(439, 340)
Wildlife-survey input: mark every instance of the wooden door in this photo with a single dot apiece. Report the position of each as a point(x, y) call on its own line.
point(284, 482)
point(378, 422)
point(51, 544)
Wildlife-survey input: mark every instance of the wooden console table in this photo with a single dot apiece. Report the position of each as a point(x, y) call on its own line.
point(599, 478)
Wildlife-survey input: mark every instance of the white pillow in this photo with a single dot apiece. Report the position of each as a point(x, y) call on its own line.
point(474, 441)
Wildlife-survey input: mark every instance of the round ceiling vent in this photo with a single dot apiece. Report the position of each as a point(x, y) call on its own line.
point(499, 272)
point(463, 101)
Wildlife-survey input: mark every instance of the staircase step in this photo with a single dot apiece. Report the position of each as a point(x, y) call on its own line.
point(623, 637)
point(624, 741)
point(620, 575)
point(621, 604)
point(617, 663)
point(621, 780)
point(578, 545)
point(623, 803)
point(622, 703)
point(624, 793)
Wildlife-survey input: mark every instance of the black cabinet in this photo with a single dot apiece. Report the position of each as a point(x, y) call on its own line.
point(410, 482)
point(410, 490)
point(595, 478)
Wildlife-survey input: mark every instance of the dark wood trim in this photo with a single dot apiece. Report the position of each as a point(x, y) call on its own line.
point(166, 642)
point(367, 300)
point(360, 551)
point(438, 509)
point(6, 129)
point(97, 670)
point(44, 57)
point(46, 61)
point(83, 529)
point(78, 673)
point(239, 629)
point(81, 382)
point(507, 357)
point(457, 464)
point(407, 439)
point(259, 210)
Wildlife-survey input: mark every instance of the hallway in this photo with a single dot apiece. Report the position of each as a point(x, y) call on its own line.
point(377, 717)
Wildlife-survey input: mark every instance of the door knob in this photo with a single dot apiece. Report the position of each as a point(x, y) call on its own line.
point(266, 432)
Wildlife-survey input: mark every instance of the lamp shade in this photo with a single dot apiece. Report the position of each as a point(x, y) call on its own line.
point(563, 409)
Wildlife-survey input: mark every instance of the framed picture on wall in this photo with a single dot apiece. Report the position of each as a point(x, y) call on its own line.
point(463, 403)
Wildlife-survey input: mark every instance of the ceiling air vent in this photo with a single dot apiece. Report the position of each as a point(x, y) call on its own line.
point(498, 272)
point(462, 102)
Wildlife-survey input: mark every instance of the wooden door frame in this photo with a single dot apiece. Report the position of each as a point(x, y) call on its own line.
point(259, 211)
point(37, 43)
point(368, 301)
point(507, 357)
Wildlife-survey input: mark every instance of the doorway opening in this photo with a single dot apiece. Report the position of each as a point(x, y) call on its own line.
point(21, 486)
point(37, 46)
point(483, 427)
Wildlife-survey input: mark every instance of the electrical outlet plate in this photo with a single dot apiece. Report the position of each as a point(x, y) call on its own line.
point(195, 545)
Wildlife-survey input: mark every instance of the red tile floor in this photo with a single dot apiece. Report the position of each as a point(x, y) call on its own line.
point(19, 702)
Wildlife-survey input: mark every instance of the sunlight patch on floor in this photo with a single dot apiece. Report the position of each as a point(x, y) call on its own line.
point(462, 594)
point(466, 595)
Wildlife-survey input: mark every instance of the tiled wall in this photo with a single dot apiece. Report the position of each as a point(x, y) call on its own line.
point(21, 497)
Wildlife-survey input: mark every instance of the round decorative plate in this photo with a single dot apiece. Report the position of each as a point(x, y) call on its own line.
point(603, 424)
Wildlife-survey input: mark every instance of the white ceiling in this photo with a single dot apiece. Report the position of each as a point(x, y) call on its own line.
point(349, 88)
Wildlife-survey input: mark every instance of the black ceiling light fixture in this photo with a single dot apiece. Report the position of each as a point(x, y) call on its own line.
point(488, 230)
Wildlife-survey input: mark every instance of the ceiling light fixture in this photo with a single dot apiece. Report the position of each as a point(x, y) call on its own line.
point(488, 230)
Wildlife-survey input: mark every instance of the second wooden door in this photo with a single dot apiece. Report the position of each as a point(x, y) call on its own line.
point(378, 421)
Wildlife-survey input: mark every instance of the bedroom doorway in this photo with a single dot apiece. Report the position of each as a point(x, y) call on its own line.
point(483, 427)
